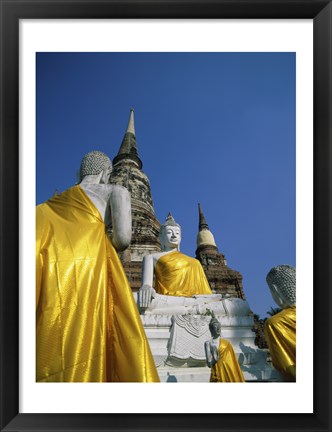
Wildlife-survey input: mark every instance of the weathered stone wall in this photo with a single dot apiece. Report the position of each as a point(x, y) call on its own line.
point(127, 174)
point(145, 226)
point(222, 279)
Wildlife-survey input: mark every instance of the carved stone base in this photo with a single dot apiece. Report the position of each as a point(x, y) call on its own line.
point(177, 342)
point(188, 374)
point(202, 374)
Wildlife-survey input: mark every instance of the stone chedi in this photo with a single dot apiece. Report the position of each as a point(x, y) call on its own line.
point(222, 279)
point(127, 171)
point(280, 329)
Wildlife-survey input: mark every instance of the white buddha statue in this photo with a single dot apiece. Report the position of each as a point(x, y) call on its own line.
point(176, 298)
point(176, 274)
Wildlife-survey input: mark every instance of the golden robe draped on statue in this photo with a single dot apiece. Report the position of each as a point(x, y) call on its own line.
point(227, 368)
point(180, 275)
point(280, 334)
point(88, 325)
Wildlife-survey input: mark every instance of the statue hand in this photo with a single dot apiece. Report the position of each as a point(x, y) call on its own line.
point(211, 353)
point(145, 295)
point(215, 354)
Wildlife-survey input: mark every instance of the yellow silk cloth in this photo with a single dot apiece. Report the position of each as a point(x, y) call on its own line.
point(280, 334)
point(88, 325)
point(227, 368)
point(180, 275)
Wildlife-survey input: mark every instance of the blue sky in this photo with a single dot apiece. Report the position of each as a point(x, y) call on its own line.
point(214, 128)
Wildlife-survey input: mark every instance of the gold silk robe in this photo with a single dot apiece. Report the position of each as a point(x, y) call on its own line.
point(227, 368)
point(88, 328)
point(180, 275)
point(280, 334)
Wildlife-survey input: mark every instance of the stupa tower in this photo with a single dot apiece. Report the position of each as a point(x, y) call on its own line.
point(222, 279)
point(127, 171)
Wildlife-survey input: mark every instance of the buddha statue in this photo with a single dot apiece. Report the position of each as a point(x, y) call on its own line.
point(280, 329)
point(87, 325)
point(220, 356)
point(176, 274)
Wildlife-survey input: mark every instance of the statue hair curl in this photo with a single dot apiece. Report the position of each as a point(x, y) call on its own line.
point(284, 278)
point(93, 163)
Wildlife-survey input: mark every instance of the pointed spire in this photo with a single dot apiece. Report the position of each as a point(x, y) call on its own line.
point(205, 236)
point(202, 222)
point(131, 125)
point(128, 148)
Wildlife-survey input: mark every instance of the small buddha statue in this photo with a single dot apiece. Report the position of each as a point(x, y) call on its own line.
point(87, 325)
point(220, 356)
point(176, 274)
point(280, 329)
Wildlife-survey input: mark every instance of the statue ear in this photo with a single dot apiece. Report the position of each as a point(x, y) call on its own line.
point(100, 176)
point(277, 295)
point(273, 288)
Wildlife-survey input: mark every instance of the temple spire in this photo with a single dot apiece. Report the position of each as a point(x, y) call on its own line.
point(205, 236)
point(131, 125)
point(202, 222)
point(128, 148)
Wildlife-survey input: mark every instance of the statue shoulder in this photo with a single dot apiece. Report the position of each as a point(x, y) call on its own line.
point(153, 257)
point(274, 320)
point(118, 189)
point(106, 190)
point(158, 255)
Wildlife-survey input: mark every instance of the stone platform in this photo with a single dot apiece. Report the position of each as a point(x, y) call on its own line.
point(177, 339)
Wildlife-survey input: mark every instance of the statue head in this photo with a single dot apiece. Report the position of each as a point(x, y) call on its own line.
point(94, 163)
point(214, 327)
point(282, 283)
point(170, 234)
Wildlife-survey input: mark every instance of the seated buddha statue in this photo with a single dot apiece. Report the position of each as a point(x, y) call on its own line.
point(176, 274)
point(220, 356)
point(280, 329)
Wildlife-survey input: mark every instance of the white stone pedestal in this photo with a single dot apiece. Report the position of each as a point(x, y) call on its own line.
point(177, 341)
point(252, 360)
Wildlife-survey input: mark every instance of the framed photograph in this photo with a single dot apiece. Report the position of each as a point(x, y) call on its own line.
point(175, 49)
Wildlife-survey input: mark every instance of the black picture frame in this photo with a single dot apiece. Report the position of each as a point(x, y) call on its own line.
point(14, 10)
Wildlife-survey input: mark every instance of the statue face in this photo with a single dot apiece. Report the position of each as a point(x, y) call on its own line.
point(215, 329)
point(170, 237)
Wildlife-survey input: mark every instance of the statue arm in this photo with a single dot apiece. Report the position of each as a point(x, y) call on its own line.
point(214, 354)
point(120, 206)
point(211, 353)
point(147, 277)
point(146, 292)
point(208, 353)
